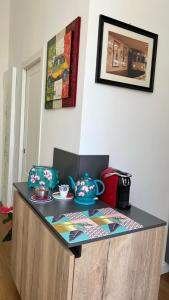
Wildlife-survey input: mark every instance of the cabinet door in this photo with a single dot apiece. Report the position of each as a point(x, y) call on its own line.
point(17, 240)
point(42, 266)
point(126, 267)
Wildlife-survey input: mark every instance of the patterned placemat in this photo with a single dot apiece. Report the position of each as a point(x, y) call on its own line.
point(91, 224)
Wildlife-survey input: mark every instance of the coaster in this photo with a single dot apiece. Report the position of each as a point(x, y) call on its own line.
point(57, 196)
point(35, 199)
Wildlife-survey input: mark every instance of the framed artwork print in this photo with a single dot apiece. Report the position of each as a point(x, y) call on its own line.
point(62, 67)
point(126, 55)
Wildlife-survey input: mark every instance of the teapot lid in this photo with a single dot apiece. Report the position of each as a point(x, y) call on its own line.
point(86, 176)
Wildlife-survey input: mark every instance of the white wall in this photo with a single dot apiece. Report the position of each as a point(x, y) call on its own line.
point(4, 35)
point(130, 125)
point(33, 23)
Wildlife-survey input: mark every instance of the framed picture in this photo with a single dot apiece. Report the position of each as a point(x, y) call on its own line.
point(62, 67)
point(126, 55)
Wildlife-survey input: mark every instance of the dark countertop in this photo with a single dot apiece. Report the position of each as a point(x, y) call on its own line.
point(56, 208)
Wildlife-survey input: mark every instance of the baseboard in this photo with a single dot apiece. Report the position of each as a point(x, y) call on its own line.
point(164, 268)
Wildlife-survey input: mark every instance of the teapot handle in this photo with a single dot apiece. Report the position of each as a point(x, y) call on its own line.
point(96, 181)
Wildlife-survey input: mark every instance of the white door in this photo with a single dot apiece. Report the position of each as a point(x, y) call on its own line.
point(9, 91)
point(32, 116)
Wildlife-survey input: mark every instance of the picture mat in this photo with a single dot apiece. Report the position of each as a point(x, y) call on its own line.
point(118, 78)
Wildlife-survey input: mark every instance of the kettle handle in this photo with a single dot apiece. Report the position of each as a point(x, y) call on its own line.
point(96, 181)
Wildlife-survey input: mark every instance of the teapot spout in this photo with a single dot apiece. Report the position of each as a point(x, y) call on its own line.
point(72, 182)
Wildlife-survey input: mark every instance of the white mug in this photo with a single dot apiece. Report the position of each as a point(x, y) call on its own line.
point(63, 190)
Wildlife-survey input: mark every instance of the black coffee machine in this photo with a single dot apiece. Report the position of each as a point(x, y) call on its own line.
point(123, 192)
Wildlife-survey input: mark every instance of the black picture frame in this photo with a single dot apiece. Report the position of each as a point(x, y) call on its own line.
point(126, 55)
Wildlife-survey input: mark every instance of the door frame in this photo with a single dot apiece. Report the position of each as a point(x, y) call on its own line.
point(33, 60)
point(12, 138)
point(9, 194)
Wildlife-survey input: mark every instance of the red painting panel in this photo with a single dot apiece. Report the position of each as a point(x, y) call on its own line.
point(74, 27)
point(67, 53)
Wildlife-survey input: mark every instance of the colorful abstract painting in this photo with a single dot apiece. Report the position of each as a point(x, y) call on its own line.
point(91, 224)
point(62, 64)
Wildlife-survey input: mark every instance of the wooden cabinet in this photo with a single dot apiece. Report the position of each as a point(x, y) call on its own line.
point(42, 267)
point(121, 268)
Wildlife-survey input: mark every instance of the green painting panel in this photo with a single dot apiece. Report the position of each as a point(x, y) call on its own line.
point(49, 85)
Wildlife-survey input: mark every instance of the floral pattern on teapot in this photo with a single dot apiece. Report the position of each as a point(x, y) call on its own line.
point(86, 187)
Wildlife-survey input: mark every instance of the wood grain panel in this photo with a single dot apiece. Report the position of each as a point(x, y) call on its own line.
point(45, 265)
point(122, 268)
point(134, 264)
point(90, 271)
point(17, 241)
